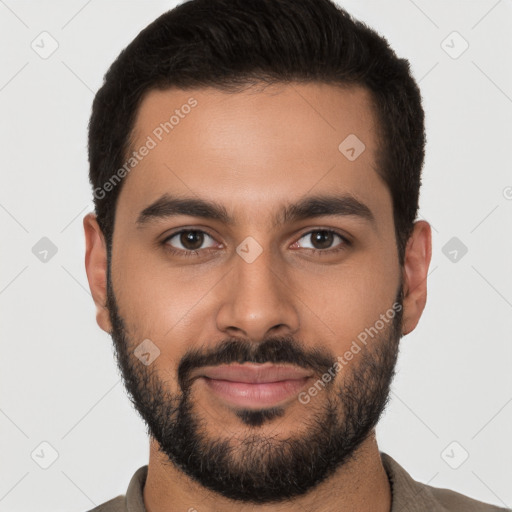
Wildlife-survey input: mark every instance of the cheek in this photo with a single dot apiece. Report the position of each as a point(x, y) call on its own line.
point(352, 299)
point(159, 301)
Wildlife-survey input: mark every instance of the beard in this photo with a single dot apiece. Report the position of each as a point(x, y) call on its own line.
point(254, 467)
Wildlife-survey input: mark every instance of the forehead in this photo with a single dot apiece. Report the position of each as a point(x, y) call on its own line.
point(254, 149)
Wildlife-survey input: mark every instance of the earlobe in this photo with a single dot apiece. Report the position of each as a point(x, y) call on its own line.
point(96, 269)
point(416, 263)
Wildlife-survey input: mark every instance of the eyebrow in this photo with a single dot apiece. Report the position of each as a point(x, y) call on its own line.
point(169, 206)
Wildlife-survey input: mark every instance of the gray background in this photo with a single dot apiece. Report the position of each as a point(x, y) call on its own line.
point(58, 379)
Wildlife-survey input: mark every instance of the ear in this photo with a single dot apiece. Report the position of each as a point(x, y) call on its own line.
point(96, 268)
point(416, 262)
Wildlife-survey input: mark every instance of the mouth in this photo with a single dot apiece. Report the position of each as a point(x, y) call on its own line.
point(254, 386)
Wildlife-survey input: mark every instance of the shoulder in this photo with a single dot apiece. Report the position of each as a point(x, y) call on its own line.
point(454, 501)
point(413, 496)
point(133, 499)
point(114, 505)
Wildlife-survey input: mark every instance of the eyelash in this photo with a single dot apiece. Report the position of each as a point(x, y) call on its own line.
point(189, 253)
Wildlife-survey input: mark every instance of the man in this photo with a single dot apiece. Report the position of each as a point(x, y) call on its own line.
point(255, 256)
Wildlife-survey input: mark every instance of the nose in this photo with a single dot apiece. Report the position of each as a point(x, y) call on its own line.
point(257, 301)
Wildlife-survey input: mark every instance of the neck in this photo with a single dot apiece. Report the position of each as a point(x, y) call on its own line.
point(360, 484)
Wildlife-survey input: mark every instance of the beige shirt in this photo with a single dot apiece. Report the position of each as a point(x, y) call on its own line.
point(408, 495)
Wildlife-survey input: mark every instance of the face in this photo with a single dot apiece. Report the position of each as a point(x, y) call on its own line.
point(254, 294)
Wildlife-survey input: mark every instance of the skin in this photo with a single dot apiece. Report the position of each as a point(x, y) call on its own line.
point(255, 152)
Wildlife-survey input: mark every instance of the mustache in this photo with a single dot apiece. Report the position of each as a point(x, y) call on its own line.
point(273, 350)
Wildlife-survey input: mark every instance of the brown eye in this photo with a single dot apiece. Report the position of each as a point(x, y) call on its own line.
point(190, 240)
point(321, 239)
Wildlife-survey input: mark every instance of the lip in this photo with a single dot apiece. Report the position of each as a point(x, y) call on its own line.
point(254, 385)
point(255, 373)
